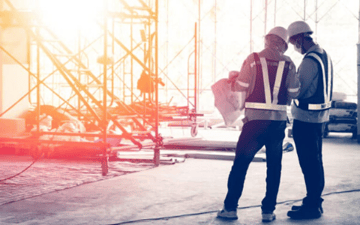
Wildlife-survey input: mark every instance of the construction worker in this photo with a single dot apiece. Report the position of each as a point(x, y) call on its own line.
point(310, 111)
point(268, 78)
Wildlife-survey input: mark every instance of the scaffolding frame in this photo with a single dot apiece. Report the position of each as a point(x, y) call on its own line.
point(86, 86)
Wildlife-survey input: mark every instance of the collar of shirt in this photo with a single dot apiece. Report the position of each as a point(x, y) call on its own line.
point(315, 48)
point(271, 53)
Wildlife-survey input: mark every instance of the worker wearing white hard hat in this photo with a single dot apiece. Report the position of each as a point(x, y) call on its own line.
point(310, 112)
point(299, 27)
point(280, 32)
point(268, 78)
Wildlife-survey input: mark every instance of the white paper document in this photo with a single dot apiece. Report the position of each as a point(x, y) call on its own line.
point(230, 104)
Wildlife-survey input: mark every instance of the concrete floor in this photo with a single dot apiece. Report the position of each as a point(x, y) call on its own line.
point(191, 193)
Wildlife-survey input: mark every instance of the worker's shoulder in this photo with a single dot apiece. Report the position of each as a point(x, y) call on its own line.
point(272, 54)
point(286, 58)
point(251, 56)
point(315, 49)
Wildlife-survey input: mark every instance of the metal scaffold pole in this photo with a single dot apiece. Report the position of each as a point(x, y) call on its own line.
point(104, 159)
point(251, 28)
point(198, 62)
point(358, 80)
point(157, 136)
point(265, 19)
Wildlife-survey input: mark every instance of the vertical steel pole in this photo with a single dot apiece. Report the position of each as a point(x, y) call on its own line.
point(358, 81)
point(38, 84)
point(131, 62)
point(157, 137)
point(196, 70)
point(78, 69)
point(266, 9)
point(167, 49)
point(104, 161)
point(275, 13)
point(251, 20)
point(198, 73)
point(29, 50)
point(215, 44)
point(38, 70)
point(316, 19)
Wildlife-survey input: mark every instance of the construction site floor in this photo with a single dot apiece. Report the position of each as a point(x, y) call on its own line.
point(59, 191)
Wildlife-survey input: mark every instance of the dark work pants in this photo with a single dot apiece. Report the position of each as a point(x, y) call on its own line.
point(308, 142)
point(255, 134)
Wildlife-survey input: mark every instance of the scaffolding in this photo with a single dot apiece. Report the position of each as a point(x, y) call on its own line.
point(103, 85)
point(91, 94)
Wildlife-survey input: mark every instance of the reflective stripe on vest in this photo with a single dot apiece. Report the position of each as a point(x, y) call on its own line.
point(327, 88)
point(242, 84)
point(316, 106)
point(269, 105)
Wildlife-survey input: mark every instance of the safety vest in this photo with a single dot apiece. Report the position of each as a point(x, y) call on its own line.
point(321, 100)
point(270, 92)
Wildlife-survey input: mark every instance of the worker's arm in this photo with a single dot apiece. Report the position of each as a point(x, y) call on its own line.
point(244, 81)
point(292, 82)
point(308, 76)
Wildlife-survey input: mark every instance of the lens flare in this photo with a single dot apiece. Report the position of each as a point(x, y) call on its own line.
point(69, 15)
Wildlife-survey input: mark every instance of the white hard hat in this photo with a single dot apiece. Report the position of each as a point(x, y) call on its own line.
point(280, 32)
point(299, 27)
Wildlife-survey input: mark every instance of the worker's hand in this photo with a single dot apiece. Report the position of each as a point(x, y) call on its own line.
point(233, 75)
point(232, 79)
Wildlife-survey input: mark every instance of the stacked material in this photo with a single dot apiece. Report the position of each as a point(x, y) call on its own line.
point(12, 127)
point(343, 118)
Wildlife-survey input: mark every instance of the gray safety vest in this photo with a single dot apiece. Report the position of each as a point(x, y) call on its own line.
point(321, 100)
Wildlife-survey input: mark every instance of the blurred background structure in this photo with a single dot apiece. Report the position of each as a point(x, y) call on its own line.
point(119, 68)
point(230, 30)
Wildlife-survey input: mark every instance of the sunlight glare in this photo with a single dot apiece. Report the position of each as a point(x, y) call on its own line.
point(68, 15)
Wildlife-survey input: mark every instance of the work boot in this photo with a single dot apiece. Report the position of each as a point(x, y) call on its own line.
point(268, 216)
point(229, 215)
point(305, 213)
point(297, 207)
